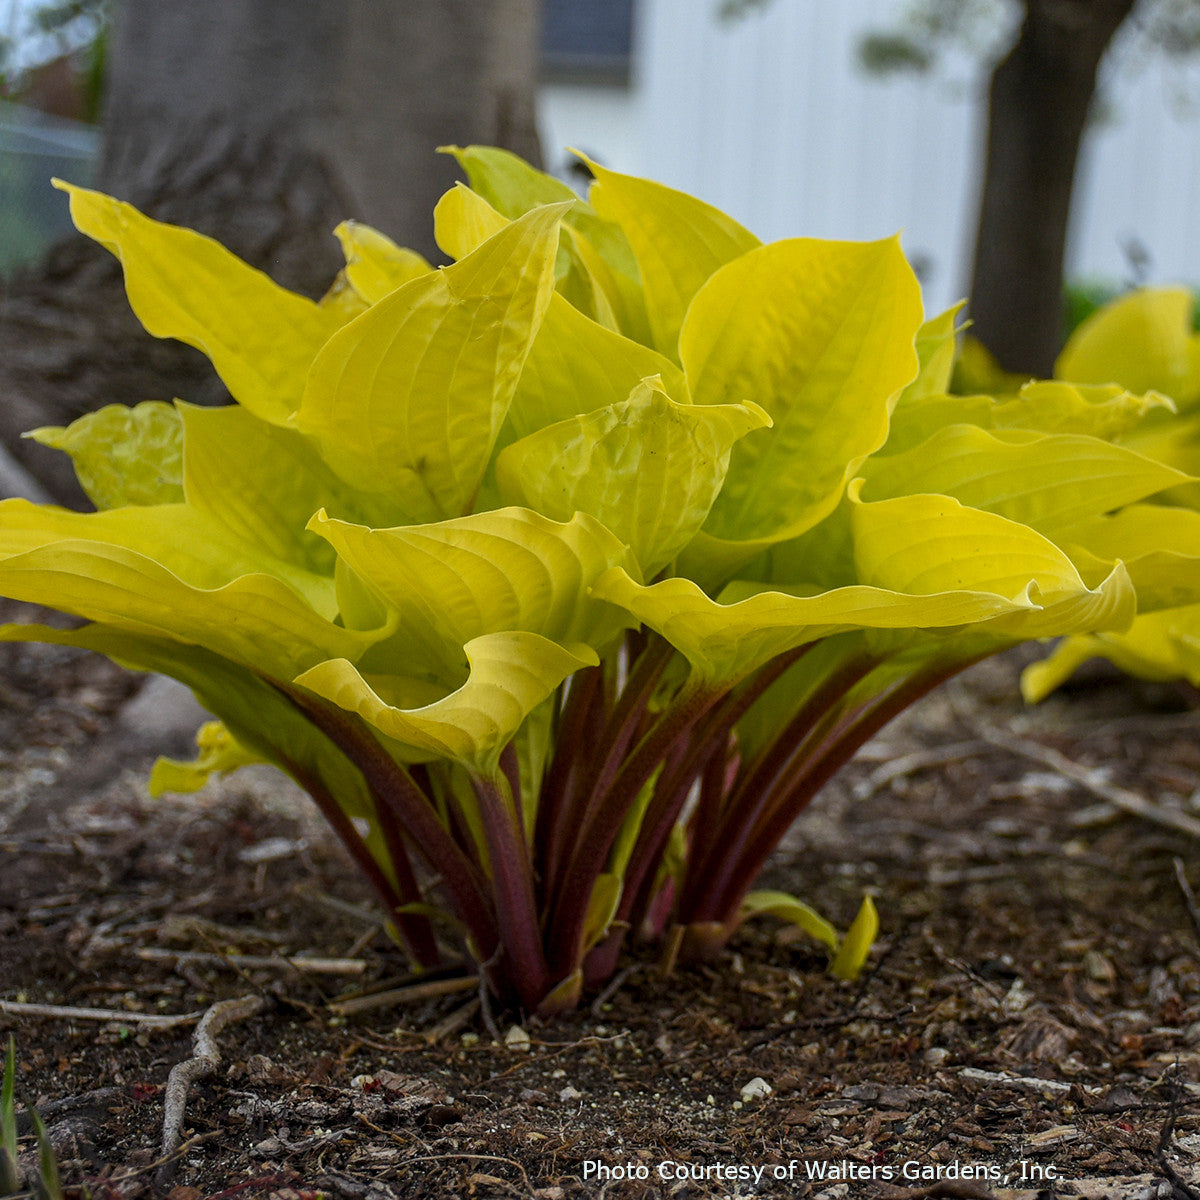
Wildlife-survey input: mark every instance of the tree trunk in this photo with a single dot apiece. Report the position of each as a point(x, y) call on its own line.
point(262, 123)
point(1038, 108)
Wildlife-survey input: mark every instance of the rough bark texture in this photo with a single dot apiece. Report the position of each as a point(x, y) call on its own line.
point(263, 123)
point(1038, 108)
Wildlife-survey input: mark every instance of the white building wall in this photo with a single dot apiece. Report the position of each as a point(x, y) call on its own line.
point(770, 118)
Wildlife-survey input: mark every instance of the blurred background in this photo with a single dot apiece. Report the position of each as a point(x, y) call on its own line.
point(1020, 145)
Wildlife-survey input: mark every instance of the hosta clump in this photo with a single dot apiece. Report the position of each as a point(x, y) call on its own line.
point(1144, 341)
point(564, 576)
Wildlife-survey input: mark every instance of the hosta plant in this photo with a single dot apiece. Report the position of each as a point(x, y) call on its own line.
point(1143, 341)
point(564, 576)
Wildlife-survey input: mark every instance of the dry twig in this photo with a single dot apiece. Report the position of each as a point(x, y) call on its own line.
point(204, 1061)
point(274, 962)
point(403, 995)
point(67, 1013)
point(1093, 781)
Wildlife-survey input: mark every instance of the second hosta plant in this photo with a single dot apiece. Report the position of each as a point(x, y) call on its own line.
point(564, 576)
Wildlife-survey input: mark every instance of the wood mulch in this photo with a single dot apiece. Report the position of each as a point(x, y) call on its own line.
point(1029, 1025)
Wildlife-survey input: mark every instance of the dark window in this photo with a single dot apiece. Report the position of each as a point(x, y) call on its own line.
point(587, 40)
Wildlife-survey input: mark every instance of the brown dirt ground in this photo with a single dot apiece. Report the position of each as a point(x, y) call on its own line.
point(1029, 1026)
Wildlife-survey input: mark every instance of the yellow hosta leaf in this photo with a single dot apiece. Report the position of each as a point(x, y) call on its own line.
point(1049, 482)
point(123, 455)
point(1101, 410)
point(851, 956)
point(1142, 341)
point(260, 337)
point(506, 181)
point(219, 753)
point(261, 482)
point(647, 468)
point(603, 281)
point(508, 569)
point(820, 334)
point(1154, 647)
point(89, 564)
point(406, 401)
point(577, 366)
point(795, 912)
point(932, 544)
point(463, 220)
point(188, 543)
point(679, 242)
point(510, 675)
point(935, 346)
point(375, 265)
point(725, 640)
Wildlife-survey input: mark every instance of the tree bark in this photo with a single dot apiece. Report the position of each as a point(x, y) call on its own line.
point(1038, 108)
point(262, 123)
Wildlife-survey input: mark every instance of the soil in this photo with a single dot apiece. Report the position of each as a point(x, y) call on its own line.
point(1029, 1024)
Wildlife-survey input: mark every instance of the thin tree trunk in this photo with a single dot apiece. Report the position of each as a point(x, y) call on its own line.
point(262, 123)
point(1038, 108)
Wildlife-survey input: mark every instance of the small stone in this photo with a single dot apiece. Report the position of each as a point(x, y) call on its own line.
point(755, 1089)
point(1099, 968)
point(470, 1039)
point(936, 1056)
point(568, 1094)
point(516, 1038)
point(1017, 999)
point(268, 1148)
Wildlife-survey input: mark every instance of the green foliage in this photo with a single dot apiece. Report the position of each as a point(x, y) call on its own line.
point(1146, 341)
point(47, 1186)
point(563, 577)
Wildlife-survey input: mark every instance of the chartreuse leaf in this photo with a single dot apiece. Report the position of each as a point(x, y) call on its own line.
point(918, 419)
point(511, 673)
point(725, 640)
point(1152, 648)
point(1047, 406)
point(646, 468)
point(1102, 410)
point(67, 561)
point(219, 754)
point(260, 337)
point(506, 181)
point(820, 334)
point(1142, 341)
point(679, 242)
point(1048, 482)
point(512, 187)
point(185, 541)
point(406, 401)
point(933, 545)
point(508, 569)
point(851, 955)
point(463, 220)
point(795, 912)
point(1159, 545)
point(935, 345)
point(123, 455)
point(375, 265)
point(263, 483)
point(576, 366)
point(602, 907)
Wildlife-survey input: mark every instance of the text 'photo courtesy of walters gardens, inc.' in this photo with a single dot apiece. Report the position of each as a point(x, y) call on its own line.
point(742, 1177)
